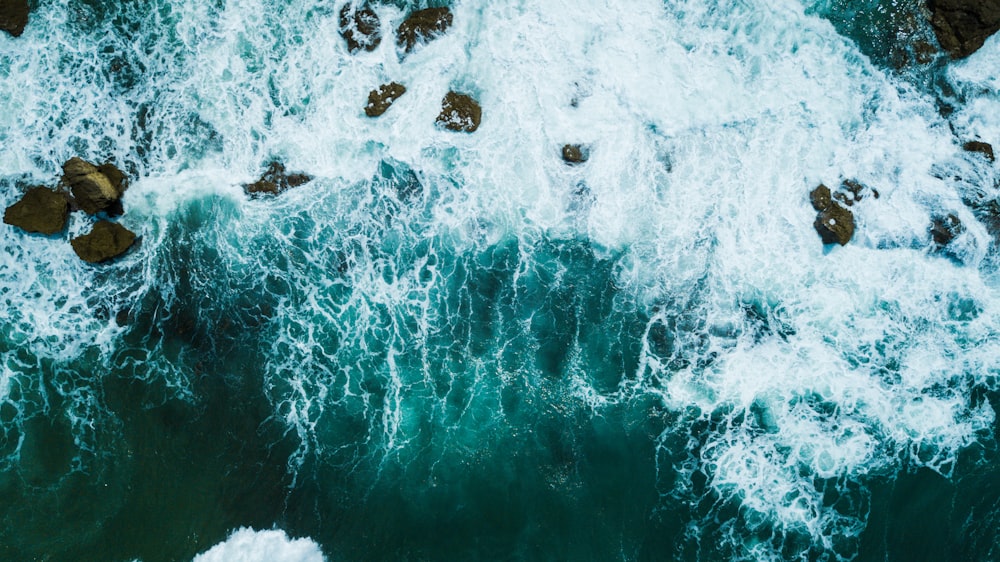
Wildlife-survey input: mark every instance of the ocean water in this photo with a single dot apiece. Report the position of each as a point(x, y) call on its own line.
point(456, 347)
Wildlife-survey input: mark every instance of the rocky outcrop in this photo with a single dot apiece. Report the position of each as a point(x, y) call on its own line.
point(41, 210)
point(275, 181)
point(834, 224)
point(575, 154)
point(460, 113)
point(94, 188)
point(107, 240)
point(983, 148)
point(359, 26)
point(962, 26)
point(13, 16)
point(422, 26)
point(382, 97)
point(945, 228)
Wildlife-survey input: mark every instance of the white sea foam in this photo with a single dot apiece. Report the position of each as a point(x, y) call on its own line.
point(248, 545)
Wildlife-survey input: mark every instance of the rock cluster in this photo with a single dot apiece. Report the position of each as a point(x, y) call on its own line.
point(275, 180)
point(93, 189)
point(834, 221)
point(962, 26)
point(13, 16)
point(359, 26)
point(422, 26)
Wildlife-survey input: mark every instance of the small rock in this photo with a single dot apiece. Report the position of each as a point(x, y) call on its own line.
point(107, 240)
point(820, 197)
point(984, 148)
point(944, 229)
point(13, 16)
point(422, 26)
point(574, 154)
point(381, 98)
point(93, 190)
point(962, 26)
point(275, 181)
point(41, 210)
point(459, 112)
point(359, 26)
point(835, 224)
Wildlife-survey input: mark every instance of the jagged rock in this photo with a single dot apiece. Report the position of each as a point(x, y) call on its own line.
point(945, 228)
point(275, 181)
point(422, 26)
point(107, 240)
point(41, 210)
point(94, 188)
point(835, 224)
point(984, 148)
point(820, 197)
point(459, 112)
point(359, 26)
point(962, 26)
point(574, 154)
point(381, 98)
point(13, 16)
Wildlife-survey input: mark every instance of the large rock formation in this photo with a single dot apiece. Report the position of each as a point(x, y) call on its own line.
point(275, 181)
point(834, 223)
point(422, 26)
point(95, 188)
point(41, 210)
point(107, 240)
point(459, 112)
point(962, 26)
point(13, 16)
point(381, 98)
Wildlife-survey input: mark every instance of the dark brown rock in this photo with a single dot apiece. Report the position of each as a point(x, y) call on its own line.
point(381, 98)
point(820, 197)
point(962, 26)
point(275, 181)
point(984, 148)
point(945, 228)
point(422, 26)
point(107, 240)
point(835, 224)
point(359, 26)
point(93, 191)
point(41, 210)
point(115, 176)
point(459, 112)
point(574, 154)
point(13, 16)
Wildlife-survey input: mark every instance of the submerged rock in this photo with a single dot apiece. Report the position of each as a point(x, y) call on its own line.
point(944, 229)
point(41, 210)
point(983, 148)
point(107, 240)
point(94, 188)
point(962, 26)
point(422, 26)
point(459, 112)
point(359, 26)
point(381, 98)
point(275, 181)
point(834, 223)
point(575, 154)
point(13, 16)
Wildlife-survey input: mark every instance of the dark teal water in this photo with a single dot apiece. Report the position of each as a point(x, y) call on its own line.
point(399, 364)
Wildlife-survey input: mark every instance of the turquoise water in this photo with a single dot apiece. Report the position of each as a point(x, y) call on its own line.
point(454, 346)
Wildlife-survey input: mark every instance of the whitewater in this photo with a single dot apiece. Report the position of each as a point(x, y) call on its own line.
point(455, 345)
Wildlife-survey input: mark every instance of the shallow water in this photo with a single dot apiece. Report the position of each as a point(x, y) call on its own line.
point(455, 346)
